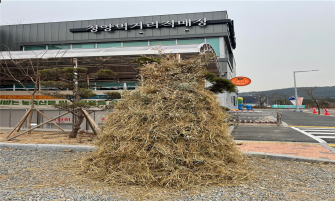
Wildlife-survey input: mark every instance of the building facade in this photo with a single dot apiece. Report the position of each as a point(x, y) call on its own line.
point(214, 28)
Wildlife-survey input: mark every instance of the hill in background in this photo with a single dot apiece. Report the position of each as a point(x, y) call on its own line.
point(321, 92)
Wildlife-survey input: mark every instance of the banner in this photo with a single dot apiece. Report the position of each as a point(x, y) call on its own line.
point(300, 99)
point(287, 106)
point(24, 103)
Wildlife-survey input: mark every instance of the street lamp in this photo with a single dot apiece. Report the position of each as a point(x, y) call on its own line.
point(295, 88)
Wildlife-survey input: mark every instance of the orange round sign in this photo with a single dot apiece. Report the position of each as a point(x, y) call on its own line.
point(241, 81)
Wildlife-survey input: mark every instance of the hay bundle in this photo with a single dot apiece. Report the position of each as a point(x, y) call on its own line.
point(170, 132)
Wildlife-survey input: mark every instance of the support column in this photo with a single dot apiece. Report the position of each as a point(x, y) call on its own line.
point(75, 79)
point(88, 80)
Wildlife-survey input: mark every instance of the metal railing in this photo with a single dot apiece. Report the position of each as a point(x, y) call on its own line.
point(237, 117)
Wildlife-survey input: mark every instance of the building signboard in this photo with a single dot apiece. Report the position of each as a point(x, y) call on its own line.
point(241, 81)
point(149, 25)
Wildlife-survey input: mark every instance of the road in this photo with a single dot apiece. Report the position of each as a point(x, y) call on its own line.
point(307, 118)
point(303, 127)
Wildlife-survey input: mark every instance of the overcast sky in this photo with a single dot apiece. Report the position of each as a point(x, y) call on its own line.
point(274, 38)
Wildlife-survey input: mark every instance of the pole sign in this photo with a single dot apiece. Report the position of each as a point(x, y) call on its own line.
point(241, 81)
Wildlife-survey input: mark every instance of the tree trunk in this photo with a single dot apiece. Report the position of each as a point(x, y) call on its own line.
point(318, 106)
point(30, 118)
point(31, 107)
point(75, 128)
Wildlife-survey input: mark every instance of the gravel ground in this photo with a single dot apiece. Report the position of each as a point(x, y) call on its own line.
point(35, 175)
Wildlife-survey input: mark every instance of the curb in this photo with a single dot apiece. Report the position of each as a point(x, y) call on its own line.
point(47, 147)
point(85, 148)
point(325, 145)
point(284, 124)
point(314, 143)
point(287, 158)
point(231, 128)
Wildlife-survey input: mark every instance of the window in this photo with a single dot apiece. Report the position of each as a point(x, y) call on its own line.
point(215, 43)
point(134, 44)
point(163, 42)
point(106, 45)
point(58, 47)
point(190, 41)
point(83, 46)
point(31, 48)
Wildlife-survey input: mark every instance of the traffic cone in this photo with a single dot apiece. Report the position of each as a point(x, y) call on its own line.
point(314, 110)
point(326, 112)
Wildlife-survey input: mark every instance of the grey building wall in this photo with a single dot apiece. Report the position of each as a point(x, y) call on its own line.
point(14, 36)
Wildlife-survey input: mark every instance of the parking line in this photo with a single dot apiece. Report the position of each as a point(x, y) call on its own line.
point(312, 126)
point(322, 133)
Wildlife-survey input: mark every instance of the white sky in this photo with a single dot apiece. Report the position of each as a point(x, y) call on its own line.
point(274, 38)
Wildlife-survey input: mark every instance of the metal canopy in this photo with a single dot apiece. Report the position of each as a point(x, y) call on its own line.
point(101, 52)
point(118, 59)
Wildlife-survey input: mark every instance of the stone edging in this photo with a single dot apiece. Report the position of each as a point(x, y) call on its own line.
point(287, 158)
point(85, 148)
point(47, 147)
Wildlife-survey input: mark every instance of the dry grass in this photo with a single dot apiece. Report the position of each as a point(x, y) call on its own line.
point(49, 138)
point(171, 132)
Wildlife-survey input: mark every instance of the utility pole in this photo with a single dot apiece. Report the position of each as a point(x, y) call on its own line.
point(295, 89)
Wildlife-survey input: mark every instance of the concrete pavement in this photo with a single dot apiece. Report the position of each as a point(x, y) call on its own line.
point(269, 133)
point(305, 118)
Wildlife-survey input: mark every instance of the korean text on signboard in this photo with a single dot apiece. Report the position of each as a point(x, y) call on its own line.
point(241, 81)
point(143, 25)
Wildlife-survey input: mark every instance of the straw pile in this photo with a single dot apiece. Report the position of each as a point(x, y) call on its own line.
point(170, 132)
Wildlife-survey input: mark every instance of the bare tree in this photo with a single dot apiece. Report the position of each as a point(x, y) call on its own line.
point(24, 71)
point(15, 21)
point(263, 98)
point(310, 92)
point(282, 99)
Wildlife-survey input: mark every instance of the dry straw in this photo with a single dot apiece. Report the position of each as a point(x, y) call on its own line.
point(170, 132)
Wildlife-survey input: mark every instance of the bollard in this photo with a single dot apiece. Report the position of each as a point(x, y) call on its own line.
point(279, 118)
point(314, 110)
point(326, 111)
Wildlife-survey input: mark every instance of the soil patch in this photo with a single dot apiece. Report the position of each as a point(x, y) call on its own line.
point(54, 137)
